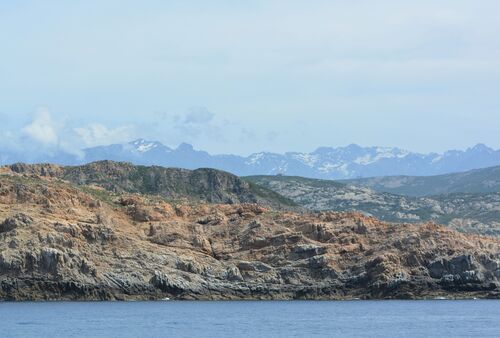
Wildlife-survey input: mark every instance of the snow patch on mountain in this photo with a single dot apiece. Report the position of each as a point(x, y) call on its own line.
point(142, 146)
point(352, 161)
point(254, 159)
point(364, 160)
point(437, 159)
point(308, 159)
point(146, 147)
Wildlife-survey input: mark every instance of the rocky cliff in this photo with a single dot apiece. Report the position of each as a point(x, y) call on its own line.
point(59, 240)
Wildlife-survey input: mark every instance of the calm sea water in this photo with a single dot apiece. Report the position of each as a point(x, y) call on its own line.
point(447, 318)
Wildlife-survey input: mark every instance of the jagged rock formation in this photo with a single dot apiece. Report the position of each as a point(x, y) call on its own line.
point(63, 241)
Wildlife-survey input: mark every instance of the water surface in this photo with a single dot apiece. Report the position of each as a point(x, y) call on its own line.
point(437, 318)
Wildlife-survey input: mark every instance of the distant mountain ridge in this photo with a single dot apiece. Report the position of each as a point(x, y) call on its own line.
point(348, 162)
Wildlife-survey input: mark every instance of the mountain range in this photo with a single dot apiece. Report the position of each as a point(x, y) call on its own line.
point(348, 162)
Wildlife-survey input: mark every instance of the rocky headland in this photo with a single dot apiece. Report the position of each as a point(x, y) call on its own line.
point(65, 236)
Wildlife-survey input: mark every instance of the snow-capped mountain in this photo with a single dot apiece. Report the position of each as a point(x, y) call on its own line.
point(352, 161)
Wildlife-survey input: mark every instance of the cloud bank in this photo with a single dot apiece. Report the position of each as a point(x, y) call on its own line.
point(42, 129)
point(96, 134)
point(46, 135)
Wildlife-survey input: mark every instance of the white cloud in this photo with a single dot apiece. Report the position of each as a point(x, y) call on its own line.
point(49, 135)
point(97, 134)
point(42, 129)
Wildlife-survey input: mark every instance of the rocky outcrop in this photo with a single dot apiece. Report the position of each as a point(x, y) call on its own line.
point(466, 212)
point(465, 272)
point(208, 185)
point(62, 241)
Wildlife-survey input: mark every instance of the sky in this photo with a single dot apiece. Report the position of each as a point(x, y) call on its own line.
point(248, 76)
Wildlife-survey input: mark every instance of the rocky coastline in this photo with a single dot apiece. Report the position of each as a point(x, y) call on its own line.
point(61, 241)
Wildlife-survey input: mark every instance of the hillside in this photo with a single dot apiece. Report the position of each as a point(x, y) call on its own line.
point(351, 161)
point(477, 213)
point(475, 181)
point(209, 185)
point(62, 241)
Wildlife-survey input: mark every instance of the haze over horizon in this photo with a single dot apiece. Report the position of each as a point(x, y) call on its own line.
point(44, 134)
point(247, 77)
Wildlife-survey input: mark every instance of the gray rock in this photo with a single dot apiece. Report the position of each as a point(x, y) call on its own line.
point(14, 222)
point(50, 260)
point(463, 268)
point(318, 262)
point(307, 251)
point(254, 266)
point(172, 284)
point(233, 274)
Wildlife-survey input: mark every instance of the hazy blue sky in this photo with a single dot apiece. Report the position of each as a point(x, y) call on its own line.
point(246, 76)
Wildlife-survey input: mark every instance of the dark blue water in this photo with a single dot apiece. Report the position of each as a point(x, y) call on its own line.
point(469, 318)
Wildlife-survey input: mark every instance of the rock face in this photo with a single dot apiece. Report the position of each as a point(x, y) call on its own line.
point(64, 241)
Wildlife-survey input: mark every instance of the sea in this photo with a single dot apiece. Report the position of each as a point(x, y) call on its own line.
point(356, 318)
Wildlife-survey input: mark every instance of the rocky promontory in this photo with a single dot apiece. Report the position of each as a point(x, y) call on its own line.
point(62, 240)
